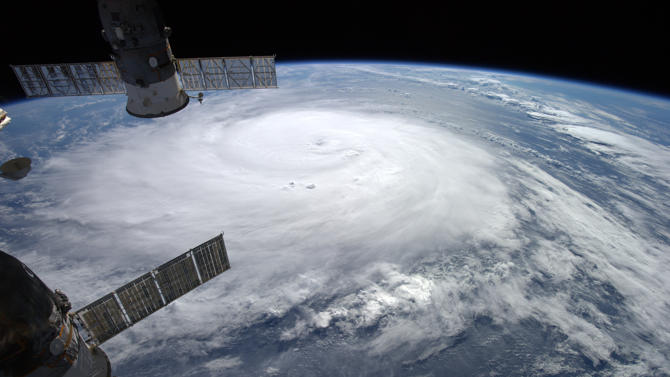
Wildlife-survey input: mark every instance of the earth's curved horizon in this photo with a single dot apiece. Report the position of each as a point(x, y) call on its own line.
point(381, 219)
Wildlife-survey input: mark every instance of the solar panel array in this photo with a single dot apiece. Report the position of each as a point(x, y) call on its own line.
point(86, 79)
point(104, 318)
point(78, 79)
point(250, 72)
point(177, 277)
point(141, 297)
point(212, 258)
point(265, 72)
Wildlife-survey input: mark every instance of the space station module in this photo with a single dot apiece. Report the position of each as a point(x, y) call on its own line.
point(41, 337)
point(4, 119)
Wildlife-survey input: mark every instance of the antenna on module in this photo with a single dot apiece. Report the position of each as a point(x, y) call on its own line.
point(199, 97)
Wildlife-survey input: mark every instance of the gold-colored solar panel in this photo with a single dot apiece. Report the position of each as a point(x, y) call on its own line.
point(59, 79)
point(137, 299)
point(86, 78)
point(177, 277)
point(211, 258)
point(191, 74)
point(213, 73)
point(31, 80)
point(140, 297)
point(245, 72)
point(69, 79)
point(239, 73)
point(103, 318)
point(265, 74)
point(109, 77)
point(99, 78)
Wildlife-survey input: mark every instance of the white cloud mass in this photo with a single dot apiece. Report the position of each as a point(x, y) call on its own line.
point(341, 216)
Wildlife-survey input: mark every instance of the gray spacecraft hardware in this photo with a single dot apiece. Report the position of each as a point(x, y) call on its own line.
point(42, 337)
point(4, 119)
point(143, 66)
point(15, 169)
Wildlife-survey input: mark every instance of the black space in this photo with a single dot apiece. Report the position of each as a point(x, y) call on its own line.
point(626, 47)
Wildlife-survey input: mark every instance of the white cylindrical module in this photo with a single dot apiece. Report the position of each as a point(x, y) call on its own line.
point(4, 119)
point(158, 99)
point(138, 36)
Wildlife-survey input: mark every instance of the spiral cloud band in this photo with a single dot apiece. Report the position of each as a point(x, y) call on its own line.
point(377, 218)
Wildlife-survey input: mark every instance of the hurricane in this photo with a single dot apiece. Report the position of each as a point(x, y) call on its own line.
point(379, 219)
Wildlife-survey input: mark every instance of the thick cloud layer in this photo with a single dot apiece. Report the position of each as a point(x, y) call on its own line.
point(298, 179)
point(405, 235)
